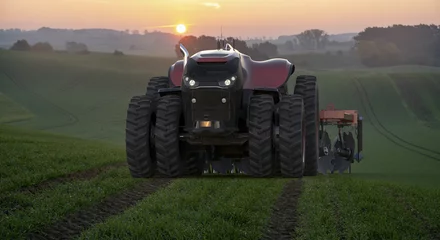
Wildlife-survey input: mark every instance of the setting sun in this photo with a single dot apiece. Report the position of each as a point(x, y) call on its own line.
point(180, 28)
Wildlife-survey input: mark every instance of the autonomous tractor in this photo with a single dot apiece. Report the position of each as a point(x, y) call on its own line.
point(220, 111)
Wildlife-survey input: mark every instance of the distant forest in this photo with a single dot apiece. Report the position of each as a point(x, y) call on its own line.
point(374, 47)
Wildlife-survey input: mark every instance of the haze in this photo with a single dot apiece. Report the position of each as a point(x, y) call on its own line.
point(244, 18)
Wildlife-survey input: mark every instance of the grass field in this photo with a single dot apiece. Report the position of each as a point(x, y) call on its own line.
point(57, 179)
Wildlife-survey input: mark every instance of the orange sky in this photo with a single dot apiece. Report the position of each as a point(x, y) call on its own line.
point(238, 17)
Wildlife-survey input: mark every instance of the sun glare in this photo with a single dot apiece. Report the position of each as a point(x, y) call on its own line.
point(180, 28)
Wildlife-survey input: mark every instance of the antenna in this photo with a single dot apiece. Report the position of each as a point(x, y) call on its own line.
point(221, 32)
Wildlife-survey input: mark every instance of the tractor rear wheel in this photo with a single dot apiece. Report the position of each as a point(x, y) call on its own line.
point(292, 136)
point(169, 161)
point(140, 161)
point(306, 86)
point(153, 87)
point(261, 109)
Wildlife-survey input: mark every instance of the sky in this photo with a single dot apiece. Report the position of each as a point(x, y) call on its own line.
point(245, 18)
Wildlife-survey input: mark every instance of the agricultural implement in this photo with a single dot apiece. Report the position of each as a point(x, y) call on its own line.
point(220, 111)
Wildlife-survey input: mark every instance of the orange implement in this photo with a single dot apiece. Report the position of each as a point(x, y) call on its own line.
point(331, 116)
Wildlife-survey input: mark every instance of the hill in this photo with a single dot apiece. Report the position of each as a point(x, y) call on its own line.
point(56, 184)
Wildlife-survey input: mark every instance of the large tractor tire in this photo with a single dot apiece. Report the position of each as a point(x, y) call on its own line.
point(153, 87)
point(283, 90)
point(194, 163)
point(306, 86)
point(169, 161)
point(140, 161)
point(261, 109)
point(291, 136)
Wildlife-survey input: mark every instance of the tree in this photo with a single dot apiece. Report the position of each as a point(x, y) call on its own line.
point(190, 43)
point(266, 48)
point(21, 45)
point(42, 47)
point(74, 47)
point(398, 44)
point(313, 39)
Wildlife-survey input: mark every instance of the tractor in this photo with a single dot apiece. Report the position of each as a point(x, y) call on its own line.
point(219, 110)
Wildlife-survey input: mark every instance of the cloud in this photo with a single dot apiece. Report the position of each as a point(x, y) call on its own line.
point(211, 4)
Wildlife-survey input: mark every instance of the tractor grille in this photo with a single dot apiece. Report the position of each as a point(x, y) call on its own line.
point(209, 105)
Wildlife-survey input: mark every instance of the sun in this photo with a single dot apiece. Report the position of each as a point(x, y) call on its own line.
point(180, 28)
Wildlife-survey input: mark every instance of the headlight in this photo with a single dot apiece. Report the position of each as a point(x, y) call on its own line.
point(228, 82)
point(190, 82)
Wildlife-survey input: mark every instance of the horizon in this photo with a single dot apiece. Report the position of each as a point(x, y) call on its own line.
point(206, 18)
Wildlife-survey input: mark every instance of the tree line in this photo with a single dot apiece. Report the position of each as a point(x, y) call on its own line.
point(374, 46)
point(195, 44)
point(399, 44)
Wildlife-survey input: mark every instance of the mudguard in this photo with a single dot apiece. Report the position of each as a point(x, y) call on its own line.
point(270, 73)
point(175, 73)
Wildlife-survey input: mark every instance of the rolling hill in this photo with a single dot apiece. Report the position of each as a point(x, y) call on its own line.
point(74, 185)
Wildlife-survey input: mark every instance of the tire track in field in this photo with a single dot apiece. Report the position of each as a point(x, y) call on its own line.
point(10, 204)
point(73, 225)
point(73, 119)
point(284, 218)
point(382, 130)
point(385, 129)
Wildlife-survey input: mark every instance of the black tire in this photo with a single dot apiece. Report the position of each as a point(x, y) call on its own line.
point(292, 136)
point(194, 163)
point(169, 161)
point(306, 86)
point(261, 108)
point(153, 87)
point(283, 90)
point(137, 138)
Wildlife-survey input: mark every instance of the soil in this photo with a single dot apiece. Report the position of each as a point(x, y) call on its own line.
point(284, 218)
point(71, 226)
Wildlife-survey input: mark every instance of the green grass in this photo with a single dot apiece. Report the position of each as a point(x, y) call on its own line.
point(87, 97)
point(11, 111)
point(29, 157)
point(24, 213)
point(359, 209)
point(197, 209)
point(79, 95)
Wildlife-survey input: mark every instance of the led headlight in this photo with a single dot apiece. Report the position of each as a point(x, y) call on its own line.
point(228, 82)
point(192, 82)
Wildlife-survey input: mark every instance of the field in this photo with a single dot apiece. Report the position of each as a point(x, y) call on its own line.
point(63, 171)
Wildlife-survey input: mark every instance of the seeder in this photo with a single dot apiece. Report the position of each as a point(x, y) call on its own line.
point(339, 156)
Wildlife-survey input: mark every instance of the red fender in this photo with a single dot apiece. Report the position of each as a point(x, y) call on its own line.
point(175, 73)
point(270, 73)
